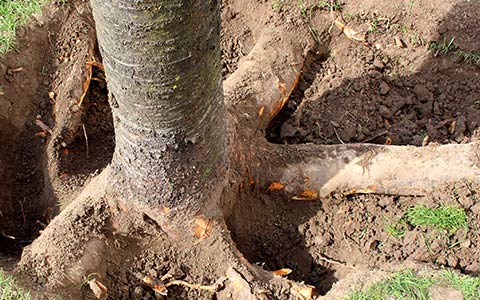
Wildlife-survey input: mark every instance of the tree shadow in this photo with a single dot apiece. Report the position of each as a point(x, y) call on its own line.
point(440, 99)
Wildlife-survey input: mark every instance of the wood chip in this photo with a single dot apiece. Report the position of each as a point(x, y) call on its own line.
point(282, 272)
point(275, 186)
point(203, 227)
point(98, 289)
point(306, 195)
point(350, 32)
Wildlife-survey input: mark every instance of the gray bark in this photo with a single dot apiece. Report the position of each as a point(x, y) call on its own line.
point(162, 61)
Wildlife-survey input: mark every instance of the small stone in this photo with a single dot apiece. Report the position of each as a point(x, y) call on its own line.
point(385, 201)
point(410, 237)
point(452, 261)
point(3, 69)
point(422, 93)
point(460, 128)
point(137, 293)
point(287, 130)
point(399, 42)
point(378, 63)
point(442, 260)
point(385, 112)
point(476, 208)
point(384, 88)
point(466, 244)
point(443, 293)
point(436, 245)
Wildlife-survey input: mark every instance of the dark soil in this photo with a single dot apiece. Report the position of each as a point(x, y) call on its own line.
point(374, 92)
point(323, 241)
point(380, 93)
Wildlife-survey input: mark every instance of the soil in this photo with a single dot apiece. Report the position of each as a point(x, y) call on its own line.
point(349, 92)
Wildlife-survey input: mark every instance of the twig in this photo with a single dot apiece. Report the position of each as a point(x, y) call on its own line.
point(86, 138)
point(375, 136)
point(333, 261)
point(23, 212)
point(336, 133)
point(212, 288)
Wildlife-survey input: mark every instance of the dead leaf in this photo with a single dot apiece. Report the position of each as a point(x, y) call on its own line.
point(367, 190)
point(350, 33)
point(304, 291)
point(275, 186)
point(306, 195)
point(98, 289)
point(203, 227)
point(156, 285)
point(65, 152)
point(282, 272)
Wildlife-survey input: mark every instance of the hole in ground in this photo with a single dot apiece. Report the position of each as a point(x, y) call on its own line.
point(266, 231)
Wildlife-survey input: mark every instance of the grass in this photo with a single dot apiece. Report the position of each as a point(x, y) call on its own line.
point(9, 289)
point(449, 219)
point(14, 13)
point(330, 5)
point(396, 229)
point(277, 5)
point(446, 47)
point(469, 286)
point(403, 285)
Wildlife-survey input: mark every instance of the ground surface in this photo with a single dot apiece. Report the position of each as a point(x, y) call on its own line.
point(377, 91)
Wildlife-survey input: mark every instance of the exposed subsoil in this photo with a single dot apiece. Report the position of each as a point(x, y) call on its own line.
point(349, 91)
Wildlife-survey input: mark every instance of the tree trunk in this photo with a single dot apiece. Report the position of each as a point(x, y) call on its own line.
point(162, 60)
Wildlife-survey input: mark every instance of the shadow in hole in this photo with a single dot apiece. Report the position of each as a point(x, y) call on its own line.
point(25, 194)
point(383, 104)
point(98, 136)
point(27, 199)
point(266, 230)
point(444, 89)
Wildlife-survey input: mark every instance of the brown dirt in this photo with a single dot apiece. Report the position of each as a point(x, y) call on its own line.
point(374, 92)
point(350, 93)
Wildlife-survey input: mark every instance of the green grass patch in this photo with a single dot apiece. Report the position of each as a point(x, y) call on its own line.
point(396, 229)
point(277, 5)
point(14, 13)
point(9, 289)
point(445, 218)
point(445, 47)
point(469, 286)
point(403, 285)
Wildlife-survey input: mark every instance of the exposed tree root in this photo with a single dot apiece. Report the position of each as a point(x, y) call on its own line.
point(254, 94)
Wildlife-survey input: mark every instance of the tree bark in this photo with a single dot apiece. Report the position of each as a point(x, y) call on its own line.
point(162, 60)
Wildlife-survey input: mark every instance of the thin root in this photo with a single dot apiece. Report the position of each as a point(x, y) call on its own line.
point(333, 261)
point(212, 288)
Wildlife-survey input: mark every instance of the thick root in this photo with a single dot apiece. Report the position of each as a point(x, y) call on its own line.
point(365, 168)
